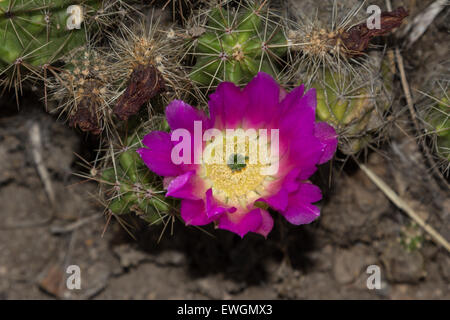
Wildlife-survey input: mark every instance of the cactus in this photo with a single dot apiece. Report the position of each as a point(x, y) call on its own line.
point(131, 187)
point(354, 88)
point(436, 116)
point(180, 9)
point(354, 106)
point(83, 90)
point(36, 33)
point(237, 43)
point(337, 45)
point(97, 88)
point(145, 63)
point(440, 121)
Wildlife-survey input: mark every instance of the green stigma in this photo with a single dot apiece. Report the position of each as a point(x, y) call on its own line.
point(237, 162)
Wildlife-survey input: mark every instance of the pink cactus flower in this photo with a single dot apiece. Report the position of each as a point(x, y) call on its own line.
point(235, 194)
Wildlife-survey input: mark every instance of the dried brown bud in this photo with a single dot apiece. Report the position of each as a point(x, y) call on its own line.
point(86, 117)
point(356, 39)
point(145, 82)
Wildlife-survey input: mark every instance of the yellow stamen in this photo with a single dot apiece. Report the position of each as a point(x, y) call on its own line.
point(235, 187)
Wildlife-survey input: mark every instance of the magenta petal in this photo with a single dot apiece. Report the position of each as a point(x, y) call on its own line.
point(213, 209)
point(266, 223)
point(299, 115)
point(167, 181)
point(300, 209)
point(328, 137)
point(307, 172)
point(289, 100)
point(299, 124)
point(309, 100)
point(158, 155)
point(193, 212)
point(283, 94)
point(305, 153)
point(241, 223)
point(263, 93)
point(279, 200)
point(181, 115)
point(186, 186)
point(226, 106)
point(289, 182)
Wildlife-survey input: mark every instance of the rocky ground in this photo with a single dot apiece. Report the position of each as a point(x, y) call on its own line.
point(43, 232)
point(328, 259)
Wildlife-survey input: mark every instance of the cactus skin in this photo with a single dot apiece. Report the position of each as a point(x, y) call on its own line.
point(35, 34)
point(438, 125)
point(132, 187)
point(236, 45)
point(355, 111)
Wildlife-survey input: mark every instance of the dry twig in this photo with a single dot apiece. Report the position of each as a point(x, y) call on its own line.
point(402, 204)
point(412, 111)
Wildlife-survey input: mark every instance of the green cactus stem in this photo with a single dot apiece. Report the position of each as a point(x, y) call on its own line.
point(130, 184)
point(354, 108)
point(438, 125)
point(35, 33)
point(236, 45)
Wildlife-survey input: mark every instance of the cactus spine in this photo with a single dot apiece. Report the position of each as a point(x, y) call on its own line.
point(236, 44)
point(436, 117)
point(130, 186)
point(36, 33)
point(354, 88)
point(355, 106)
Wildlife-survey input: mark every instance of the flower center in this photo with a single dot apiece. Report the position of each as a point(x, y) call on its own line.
point(237, 162)
point(237, 178)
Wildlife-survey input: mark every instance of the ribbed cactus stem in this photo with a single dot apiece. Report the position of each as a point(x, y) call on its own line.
point(354, 110)
point(236, 45)
point(132, 188)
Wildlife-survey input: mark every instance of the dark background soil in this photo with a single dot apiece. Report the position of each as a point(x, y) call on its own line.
point(358, 226)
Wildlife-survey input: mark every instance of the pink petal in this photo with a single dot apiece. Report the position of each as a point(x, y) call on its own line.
point(226, 106)
point(266, 223)
point(181, 115)
point(299, 116)
point(193, 212)
point(263, 93)
point(281, 189)
point(300, 209)
point(241, 223)
point(186, 186)
point(213, 209)
point(289, 99)
point(328, 137)
point(158, 155)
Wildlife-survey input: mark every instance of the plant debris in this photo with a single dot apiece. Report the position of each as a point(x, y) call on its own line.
point(357, 38)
